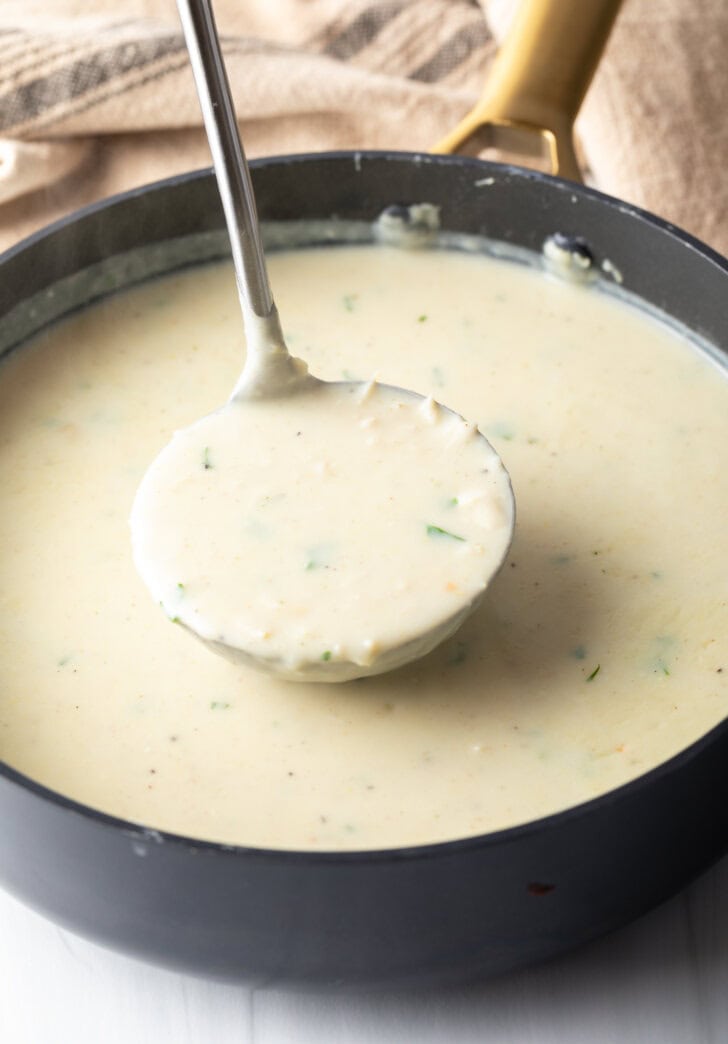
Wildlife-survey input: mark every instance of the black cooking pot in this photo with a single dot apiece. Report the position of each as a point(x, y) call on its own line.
point(425, 914)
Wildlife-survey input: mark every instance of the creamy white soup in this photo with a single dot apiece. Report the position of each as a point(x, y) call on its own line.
point(599, 651)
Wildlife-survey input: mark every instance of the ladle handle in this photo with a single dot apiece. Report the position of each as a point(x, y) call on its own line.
point(540, 76)
point(228, 157)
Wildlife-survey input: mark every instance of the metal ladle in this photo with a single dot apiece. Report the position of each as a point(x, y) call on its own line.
point(272, 374)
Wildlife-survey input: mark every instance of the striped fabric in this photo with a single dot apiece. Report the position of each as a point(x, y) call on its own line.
point(105, 74)
point(96, 96)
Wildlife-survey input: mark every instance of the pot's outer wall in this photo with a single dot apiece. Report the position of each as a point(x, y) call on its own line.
point(434, 914)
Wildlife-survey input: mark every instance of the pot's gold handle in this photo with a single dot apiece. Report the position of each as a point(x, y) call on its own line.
point(538, 82)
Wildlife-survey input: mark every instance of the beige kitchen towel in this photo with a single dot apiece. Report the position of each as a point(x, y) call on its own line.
point(96, 97)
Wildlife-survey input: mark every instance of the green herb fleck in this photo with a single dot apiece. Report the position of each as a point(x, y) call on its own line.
point(206, 462)
point(64, 660)
point(438, 531)
point(180, 587)
point(594, 673)
point(501, 430)
point(326, 656)
point(172, 619)
point(458, 654)
point(662, 644)
point(348, 301)
point(421, 318)
point(219, 705)
point(318, 557)
point(561, 559)
point(253, 527)
point(452, 502)
point(579, 653)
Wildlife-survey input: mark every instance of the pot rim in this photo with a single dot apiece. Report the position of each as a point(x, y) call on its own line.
point(505, 171)
point(439, 849)
point(554, 821)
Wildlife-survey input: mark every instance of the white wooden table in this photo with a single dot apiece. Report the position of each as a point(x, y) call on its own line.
point(662, 980)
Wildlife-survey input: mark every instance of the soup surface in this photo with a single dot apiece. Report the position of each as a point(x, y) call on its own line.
point(599, 651)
